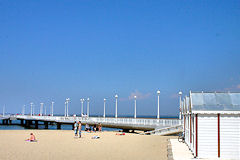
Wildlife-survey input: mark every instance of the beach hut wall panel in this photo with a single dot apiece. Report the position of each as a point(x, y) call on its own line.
point(229, 136)
point(207, 136)
point(212, 127)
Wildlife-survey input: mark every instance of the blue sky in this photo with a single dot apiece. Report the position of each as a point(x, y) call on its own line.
point(51, 50)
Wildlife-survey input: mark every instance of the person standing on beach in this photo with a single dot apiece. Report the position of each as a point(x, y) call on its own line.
point(80, 129)
point(75, 128)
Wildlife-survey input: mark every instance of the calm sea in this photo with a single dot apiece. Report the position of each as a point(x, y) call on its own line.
point(16, 124)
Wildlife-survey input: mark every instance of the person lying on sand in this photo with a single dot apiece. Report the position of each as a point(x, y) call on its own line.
point(120, 134)
point(32, 138)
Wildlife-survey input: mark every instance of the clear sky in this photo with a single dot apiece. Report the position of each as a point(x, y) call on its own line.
point(51, 50)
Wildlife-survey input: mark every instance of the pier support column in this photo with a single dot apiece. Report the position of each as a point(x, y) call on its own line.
point(125, 130)
point(36, 124)
point(6, 122)
point(10, 121)
point(27, 124)
point(73, 126)
point(58, 125)
point(21, 122)
point(46, 125)
point(30, 122)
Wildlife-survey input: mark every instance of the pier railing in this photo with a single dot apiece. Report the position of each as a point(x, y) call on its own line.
point(125, 121)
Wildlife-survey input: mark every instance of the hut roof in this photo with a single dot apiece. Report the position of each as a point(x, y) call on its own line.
point(215, 101)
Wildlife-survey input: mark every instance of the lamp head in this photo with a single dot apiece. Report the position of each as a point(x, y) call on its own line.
point(180, 93)
point(135, 97)
point(158, 92)
point(116, 96)
point(104, 99)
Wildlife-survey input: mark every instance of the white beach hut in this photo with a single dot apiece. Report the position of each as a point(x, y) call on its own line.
point(212, 124)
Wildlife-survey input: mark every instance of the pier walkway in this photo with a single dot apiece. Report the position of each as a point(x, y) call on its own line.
point(154, 126)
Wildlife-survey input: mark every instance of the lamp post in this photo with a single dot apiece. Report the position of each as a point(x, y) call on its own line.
point(116, 96)
point(45, 112)
point(23, 110)
point(31, 104)
point(104, 105)
point(65, 111)
point(135, 107)
point(41, 109)
point(3, 110)
point(88, 106)
point(82, 100)
point(180, 105)
point(67, 100)
point(158, 114)
point(52, 108)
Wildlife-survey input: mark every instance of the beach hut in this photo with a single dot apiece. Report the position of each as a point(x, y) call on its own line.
point(212, 124)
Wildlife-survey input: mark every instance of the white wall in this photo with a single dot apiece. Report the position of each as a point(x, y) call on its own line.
point(207, 136)
point(230, 136)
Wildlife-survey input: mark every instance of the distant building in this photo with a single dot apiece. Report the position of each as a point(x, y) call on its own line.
point(212, 124)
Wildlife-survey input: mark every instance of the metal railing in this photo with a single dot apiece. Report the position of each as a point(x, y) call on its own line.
point(124, 121)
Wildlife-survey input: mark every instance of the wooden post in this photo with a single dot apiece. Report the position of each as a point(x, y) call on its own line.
point(190, 128)
point(196, 135)
point(218, 135)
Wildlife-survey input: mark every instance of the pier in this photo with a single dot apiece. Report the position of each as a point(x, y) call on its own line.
point(151, 126)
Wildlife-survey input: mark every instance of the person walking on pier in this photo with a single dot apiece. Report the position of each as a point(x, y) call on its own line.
point(80, 129)
point(76, 128)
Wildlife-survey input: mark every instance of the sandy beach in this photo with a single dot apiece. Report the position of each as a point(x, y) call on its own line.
point(61, 144)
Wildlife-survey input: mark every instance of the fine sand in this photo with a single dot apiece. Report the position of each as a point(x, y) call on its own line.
point(61, 145)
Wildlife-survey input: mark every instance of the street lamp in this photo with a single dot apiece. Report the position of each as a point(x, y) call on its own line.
point(104, 105)
point(65, 111)
point(67, 100)
point(135, 108)
point(180, 106)
point(158, 115)
point(23, 110)
point(88, 106)
point(31, 104)
point(41, 109)
point(52, 108)
point(116, 96)
point(82, 100)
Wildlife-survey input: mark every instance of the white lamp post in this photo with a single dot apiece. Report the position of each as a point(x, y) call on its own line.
point(104, 105)
point(3, 110)
point(88, 106)
point(52, 108)
point(82, 100)
point(67, 100)
point(158, 114)
point(31, 108)
point(23, 110)
point(41, 109)
point(65, 111)
point(116, 96)
point(45, 112)
point(135, 108)
point(180, 106)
